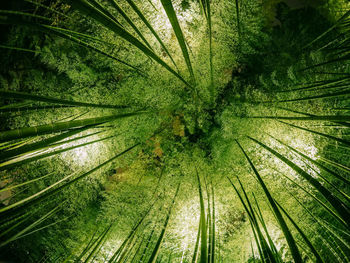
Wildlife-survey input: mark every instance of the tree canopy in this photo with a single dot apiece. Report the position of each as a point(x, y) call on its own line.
point(174, 131)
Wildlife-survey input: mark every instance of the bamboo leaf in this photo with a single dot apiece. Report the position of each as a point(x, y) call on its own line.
point(69, 35)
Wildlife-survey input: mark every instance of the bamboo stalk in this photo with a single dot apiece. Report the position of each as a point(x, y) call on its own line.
point(50, 191)
point(156, 249)
point(203, 226)
point(169, 9)
point(290, 240)
point(26, 159)
point(145, 21)
point(94, 13)
point(307, 241)
point(59, 126)
point(333, 200)
point(129, 21)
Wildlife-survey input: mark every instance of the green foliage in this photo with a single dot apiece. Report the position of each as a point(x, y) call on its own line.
point(107, 106)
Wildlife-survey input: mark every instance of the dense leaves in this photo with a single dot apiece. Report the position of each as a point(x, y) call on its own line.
point(174, 131)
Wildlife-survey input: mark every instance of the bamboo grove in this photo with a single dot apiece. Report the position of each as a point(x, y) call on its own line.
point(174, 131)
